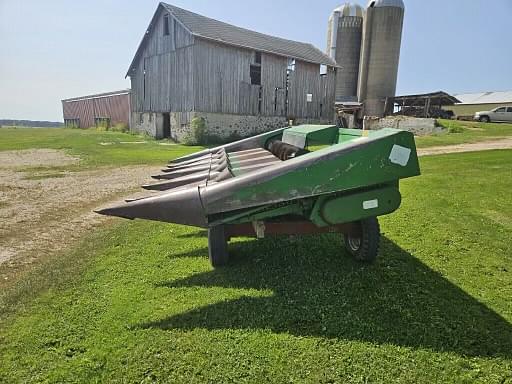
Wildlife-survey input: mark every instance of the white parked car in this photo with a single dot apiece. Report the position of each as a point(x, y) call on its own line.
point(500, 114)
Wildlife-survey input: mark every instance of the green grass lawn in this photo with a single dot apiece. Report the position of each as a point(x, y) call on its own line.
point(459, 132)
point(93, 147)
point(138, 301)
point(118, 149)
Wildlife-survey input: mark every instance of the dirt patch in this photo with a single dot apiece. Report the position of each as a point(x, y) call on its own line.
point(36, 158)
point(468, 147)
point(39, 216)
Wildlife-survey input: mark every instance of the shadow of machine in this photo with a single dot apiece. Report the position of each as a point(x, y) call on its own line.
point(402, 302)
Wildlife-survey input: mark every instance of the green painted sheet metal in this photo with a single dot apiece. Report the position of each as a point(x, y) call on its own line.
point(325, 210)
point(297, 208)
point(309, 129)
point(303, 136)
point(385, 156)
point(331, 210)
point(345, 134)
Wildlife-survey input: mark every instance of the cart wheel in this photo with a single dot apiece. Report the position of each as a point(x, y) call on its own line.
point(366, 247)
point(217, 246)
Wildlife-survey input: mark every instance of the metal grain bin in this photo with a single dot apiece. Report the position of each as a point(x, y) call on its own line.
point(344, 36)
point(382, 36)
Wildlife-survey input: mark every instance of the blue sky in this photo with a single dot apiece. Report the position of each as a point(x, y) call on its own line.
point(56, 49)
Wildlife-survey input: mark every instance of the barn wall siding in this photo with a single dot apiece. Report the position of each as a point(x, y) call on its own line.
point(222, 84)
point(162, 80)
point(222, 80)
point(306, 80)
point(115, 107)
point(273, 79)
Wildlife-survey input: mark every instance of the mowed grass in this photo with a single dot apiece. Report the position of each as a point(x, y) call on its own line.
point(460, 132)
point(138, 301)
point(117, 149)
point(94, 148)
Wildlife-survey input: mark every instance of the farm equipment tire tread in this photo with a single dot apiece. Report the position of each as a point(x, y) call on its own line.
point(369, 242)
point(217, 246)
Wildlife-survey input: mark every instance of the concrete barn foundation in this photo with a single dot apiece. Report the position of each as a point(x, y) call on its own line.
point(219, 125)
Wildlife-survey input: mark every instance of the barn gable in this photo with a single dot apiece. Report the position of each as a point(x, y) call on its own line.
point(164, 34)
point(161, 71)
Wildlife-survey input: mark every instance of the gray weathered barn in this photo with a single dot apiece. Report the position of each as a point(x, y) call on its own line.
point(240, 81)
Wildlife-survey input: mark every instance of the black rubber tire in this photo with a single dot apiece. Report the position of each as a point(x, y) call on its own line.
point(485, 119)
point(217, 246)
point(366, 247)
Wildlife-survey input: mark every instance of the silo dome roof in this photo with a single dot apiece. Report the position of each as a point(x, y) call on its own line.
point(386, 3)
point(349, 9)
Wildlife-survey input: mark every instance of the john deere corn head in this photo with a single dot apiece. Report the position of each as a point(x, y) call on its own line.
point(299, 180)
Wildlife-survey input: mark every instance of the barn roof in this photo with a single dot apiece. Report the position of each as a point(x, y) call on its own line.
point(436, 98)
point(485, 97)
point(99, 95)
point(207, 28)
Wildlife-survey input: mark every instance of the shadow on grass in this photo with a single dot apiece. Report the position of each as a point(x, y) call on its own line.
point(399, 300)
point(194, 235)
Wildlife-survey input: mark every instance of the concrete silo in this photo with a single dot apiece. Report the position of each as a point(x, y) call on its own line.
point(344, 36)
point(382, 37)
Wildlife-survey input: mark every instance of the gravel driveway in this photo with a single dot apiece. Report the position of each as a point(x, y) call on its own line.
point(41, 215)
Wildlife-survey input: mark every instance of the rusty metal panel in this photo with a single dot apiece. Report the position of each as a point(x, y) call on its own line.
point(289, 228)
point(114, 106)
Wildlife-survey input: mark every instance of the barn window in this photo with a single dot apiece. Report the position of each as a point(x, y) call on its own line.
point(257, 57)
point(166, 25)
point(102, 122)
point(255, 75)
point(72, 123)
point(323, 70)
point(260, 99)
point(144, 79)
point(175, 34)
point(291, 65)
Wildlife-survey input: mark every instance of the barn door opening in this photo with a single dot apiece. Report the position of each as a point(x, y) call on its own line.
point(167, 125)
